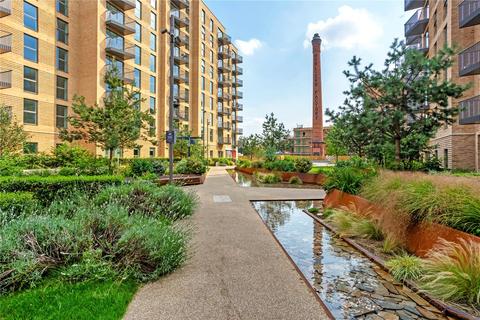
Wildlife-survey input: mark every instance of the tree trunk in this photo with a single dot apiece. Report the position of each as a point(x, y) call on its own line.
point(397, 150)
point(110, 160)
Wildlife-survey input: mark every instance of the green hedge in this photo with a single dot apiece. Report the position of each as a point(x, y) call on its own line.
point(14, 201)
point(46, 188)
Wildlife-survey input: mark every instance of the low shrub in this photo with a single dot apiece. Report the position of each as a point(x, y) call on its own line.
point(405, 267)
point(46, 189)
point(314, 210)
point(139, 167)
point(280, 165)
point(347, 179)
point(257, 164)
point(150, 200)
point(452, 272)
point(191, 166)
point(390, 245)
point(303, 165)
point(225, 162)
point(355, 162)
point(244, 163)
point(17, 201)
point(295, 180)
point(267, 178)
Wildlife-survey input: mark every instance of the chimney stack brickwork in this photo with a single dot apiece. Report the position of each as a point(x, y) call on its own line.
point(318, 145)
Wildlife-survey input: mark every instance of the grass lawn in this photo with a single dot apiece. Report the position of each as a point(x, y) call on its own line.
point(58, 300)
point(317, 170)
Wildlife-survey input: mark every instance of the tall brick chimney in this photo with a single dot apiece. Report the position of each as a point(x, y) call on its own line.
point(318, 145)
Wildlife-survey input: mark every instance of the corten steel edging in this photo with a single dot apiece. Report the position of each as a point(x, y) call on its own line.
point(444, 308)
point(309, 285)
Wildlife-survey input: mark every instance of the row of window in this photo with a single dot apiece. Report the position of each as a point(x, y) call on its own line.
point(30, 52)
point(30, 113)
point(152, 59)
point(30, 83)
point(30, 20)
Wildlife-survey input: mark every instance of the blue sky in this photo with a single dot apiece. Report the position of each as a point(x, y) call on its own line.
point(277, 62)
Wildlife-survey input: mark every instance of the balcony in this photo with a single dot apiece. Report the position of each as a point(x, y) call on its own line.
point(180, 114)
point(470, 111)
point(5, 8)
point(182, 40)
point(417, 24)
point(181, 58)
point(469, 61)
point(224, 82)
point(224, 38)
point(236, 58)
point(224, 140)
point(223, 125)
point(119, 24)
point(237, 94)
point(238, 119)
point(237, 71)
point(124, 4)
point(181, 4)
point(413, 4)
point(6, 79)
point(180, 97)
point(6, 43)
point(468, 13)
point(220, 109)
point(237, 83)
point(239, 131)
point(238, 107)
point(418, 43)
point(223, 53)
point(181, 20)
point(128, 76)
point(222, 96)
point(180, 77)
point(222, 67)
point(119, 48)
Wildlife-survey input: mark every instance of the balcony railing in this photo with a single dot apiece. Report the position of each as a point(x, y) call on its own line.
point(418, 43)
point(238, 119)
point(470, 111)
point(417, 24)
point(224, 125)
point(223, 96)
point(5, 8)
point(224, 38)
point(181, 19)
point(222, 67)
point(224, 81)
point(237, 71)
point(469, 13)
point(237, 94)
point(180, 77)
point(181, 4)
point(6, 79)
point(238, 83)
point(182, 40)
point(469, 61)
point(413, 4)
point(223, 53)
point(181, 58)
point(236, 58)
point(124, 4)
point(238, 107)
point(120, 24)
point(220, 109)
point(120, 48)
point(6, 43)
point(180, 96)
point(180, 114)
point(239, 131)
point(224, 140)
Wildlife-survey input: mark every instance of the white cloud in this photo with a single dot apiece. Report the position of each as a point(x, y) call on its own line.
point(351, 28)
point(249, 47)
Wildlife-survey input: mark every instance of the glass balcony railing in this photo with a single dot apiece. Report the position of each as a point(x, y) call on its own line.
point(6, 43)
point(117, 22)
point(224, 38)
point(124, 4)
point(470, 111)
point(6, 79)
point(181, 19)
point(413, 4)
point(419, 43)
point(181, 4)
point(468, 13)
point(469, 61)
point(5, 8)
point(417, 24)
point(238, 107)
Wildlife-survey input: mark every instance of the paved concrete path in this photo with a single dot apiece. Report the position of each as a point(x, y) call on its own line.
point(236, 270)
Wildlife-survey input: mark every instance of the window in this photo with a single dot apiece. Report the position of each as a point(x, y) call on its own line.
point(136, 152)
point(137, 98)
point(211, 40)
point(138, 32)
point(211, 103)
point(153, 63)
point(203, 66)
point(62, 59)
point(203, 16)
point(202, 101)
point(153, 3)
point(30, 16)
point(211, 25)
point(187, 113)
point(152, 152)
point(153, 87)
point(61, 116)
point(203, 83)
point(152, 105)
point(30, 78)
point(211, 135)
point(62, 31)
point(30, 111)
point(137, 78)
point(211, 72)
point(30, 48)
point(203, 33)
point(211, 87)
point(62, 7)
point(445, 158)
point(138, 9)
point(30, 147)
point(62, 88)
point(203, 49)
point(211, 56)
point(138, 55)
point(153, 42)
point(153, 21)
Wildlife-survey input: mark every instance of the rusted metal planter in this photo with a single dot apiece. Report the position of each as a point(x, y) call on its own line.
point(308, 178)
point(184, 180)
point(420, 238)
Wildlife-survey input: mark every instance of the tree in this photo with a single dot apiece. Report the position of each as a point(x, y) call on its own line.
point(12, 134)
point(336, 142)
point(117, 124)
point(250, 146)
point(408, 98)
point(182, 145)
point(274, 135)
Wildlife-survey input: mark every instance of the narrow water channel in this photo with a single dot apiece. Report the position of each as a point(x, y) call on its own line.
point(350, 285)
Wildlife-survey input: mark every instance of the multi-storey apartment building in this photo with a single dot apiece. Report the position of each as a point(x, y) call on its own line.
point(51, 50)
point(433, 25)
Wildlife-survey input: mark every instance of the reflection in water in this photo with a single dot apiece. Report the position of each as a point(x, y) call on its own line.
point(247, 180)
point(347, 282)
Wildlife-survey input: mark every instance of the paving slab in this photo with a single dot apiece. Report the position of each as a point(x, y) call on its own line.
point(236, 269)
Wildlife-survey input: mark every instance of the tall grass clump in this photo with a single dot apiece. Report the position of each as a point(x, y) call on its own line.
point(351, 225)
point(405, 267)
point(347, 179)
point(452, 272)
